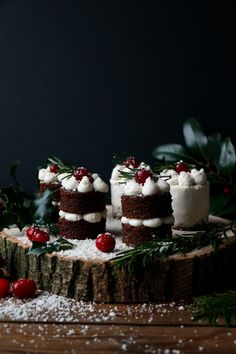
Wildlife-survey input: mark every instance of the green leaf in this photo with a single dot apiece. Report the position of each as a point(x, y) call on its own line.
point(218, 203)
point(60, 244)
point(44, 208)
point(214, 148)
point(172, 152)
point(227, 158)
point(195, 139)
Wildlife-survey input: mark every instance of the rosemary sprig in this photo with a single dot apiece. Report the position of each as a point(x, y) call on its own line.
point(159, 248)
point(212, 308)
point(63, 167)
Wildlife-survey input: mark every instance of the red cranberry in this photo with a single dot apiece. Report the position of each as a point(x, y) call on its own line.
point(81, 172)
point(24, 288)
point(30, 231)
point(54, 168)
point(131, 161)
point(141, 175)
point(105, 242)
point(4, 287)
point(40, 236)
point(180, 166)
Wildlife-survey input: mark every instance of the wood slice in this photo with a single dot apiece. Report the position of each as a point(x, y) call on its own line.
point(199, 272)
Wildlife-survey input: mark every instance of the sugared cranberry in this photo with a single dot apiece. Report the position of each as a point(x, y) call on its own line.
point(24, 288)
point(40, 236)
point(131, 161)
point(4, 287)
point(181, 166)
point(105, 242)
point(54, 168)
point(141, 175)
point(30, 231)
point(81, 172)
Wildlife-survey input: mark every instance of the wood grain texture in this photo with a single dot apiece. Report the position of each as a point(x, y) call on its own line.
point(199, 272)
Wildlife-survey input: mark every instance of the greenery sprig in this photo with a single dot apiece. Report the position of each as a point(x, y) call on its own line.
point(61, 244)
point(212, 308)
point(159, 248)
point(213, 153)
point(62, 166)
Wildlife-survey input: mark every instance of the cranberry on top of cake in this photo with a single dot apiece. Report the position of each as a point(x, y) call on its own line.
point(49, 174)
point(190, 195)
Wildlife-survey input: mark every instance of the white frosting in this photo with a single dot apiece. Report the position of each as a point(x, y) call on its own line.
point(46, 176)
point(100, 186)
point(132, 188)
point(194, 177)
point(163, 185)
point(150, 187)
point(153, 222)
point(185, 179)
point(70, 183)
point(89, 217)
point(190, 197)
point(84, 186)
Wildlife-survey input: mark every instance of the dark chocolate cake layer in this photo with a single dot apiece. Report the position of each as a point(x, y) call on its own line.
point(146, 207)
point(51, 186)
point(81, 229)
point(82, 203)
point(137, 235)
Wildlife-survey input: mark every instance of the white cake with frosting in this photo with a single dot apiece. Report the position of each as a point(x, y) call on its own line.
point(190, 197)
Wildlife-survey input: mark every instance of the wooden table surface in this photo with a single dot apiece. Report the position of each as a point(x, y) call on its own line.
point(149, 328)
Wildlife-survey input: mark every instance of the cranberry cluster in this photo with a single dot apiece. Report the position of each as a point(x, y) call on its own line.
point(81, 172)
point(21, 288)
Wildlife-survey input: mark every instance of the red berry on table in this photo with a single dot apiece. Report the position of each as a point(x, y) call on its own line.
point(24, 288)
point(4, 287)
point(105, 242)
point(141, 175)
point(30, 231)
point(181, 166)
point(54, 168)
point(40, 236)
point(81, 172)
point(131, 161)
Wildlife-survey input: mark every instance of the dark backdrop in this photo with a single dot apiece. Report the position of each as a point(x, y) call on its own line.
point(84, 79)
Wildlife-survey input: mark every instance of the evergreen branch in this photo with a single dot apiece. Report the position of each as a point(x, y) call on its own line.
point(63, 167)
point(212, 308)
point(159, 248)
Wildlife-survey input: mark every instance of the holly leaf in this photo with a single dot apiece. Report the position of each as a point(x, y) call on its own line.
point(227, 158)
point(39, 248)
point(214, 149)
point(172, 152)
point(44, 208)
point(195, 139)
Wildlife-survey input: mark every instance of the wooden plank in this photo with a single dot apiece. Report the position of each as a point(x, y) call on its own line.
point(106, 339)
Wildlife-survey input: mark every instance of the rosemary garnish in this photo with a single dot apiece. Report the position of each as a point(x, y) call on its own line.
point(62, 166)
point(212, 308)
point(159, 248)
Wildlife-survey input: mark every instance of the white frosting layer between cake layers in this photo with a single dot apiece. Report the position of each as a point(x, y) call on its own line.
point(89, 217)
point(190, 197)
point(153, 222)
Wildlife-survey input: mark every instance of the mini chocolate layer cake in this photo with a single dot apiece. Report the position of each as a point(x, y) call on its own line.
point(146, 207)
point(81, 229)
point(136, 235)
point(82, 203)
point(144, 216)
